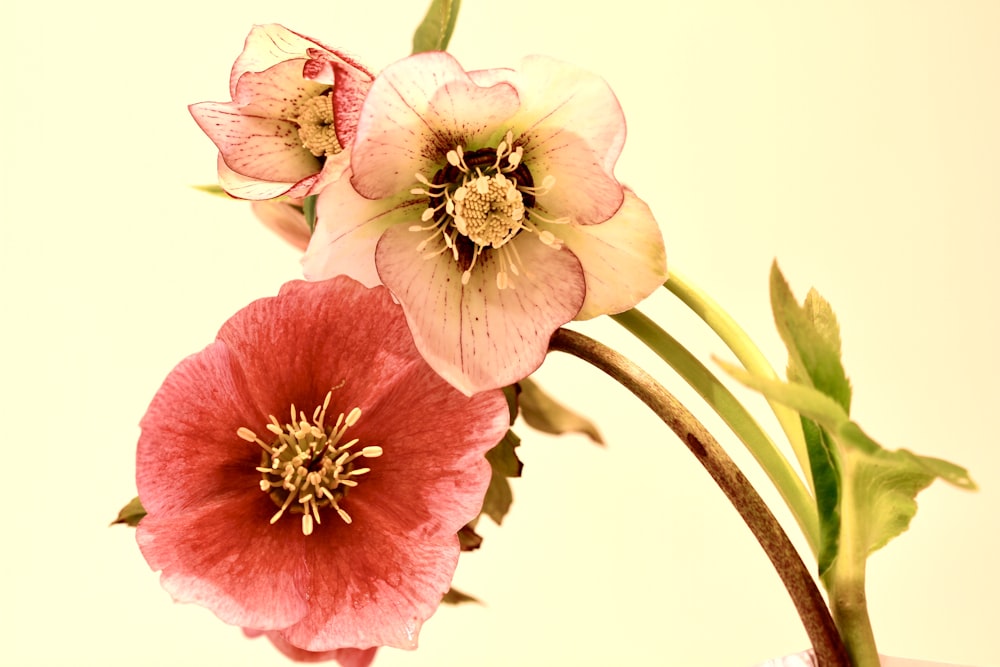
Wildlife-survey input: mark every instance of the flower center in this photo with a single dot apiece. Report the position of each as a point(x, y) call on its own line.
point(306, 467)
point(316, 128)
point(479, 202)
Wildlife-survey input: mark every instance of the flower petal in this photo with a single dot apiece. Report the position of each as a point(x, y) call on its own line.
point(345, 657)
point(417, 110)
point(572, 128)
point(264, 148)
point(623, 259)
point(348, 228)
point(478, 336)
point(241, 187)
point(266, 46)
point(284, 218)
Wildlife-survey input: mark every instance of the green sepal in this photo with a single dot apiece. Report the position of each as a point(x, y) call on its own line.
point(212, 189)
point(504, 464)
point(434, 32)
point(309, 210)
point(131, 514)
point(543, 413)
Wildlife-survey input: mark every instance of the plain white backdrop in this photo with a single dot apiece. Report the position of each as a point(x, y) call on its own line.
point(858, 142)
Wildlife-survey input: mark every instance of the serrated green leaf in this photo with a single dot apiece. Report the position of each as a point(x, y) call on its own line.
point(454, 596)
point(212, 189)
point(812, 336)
point(131, 514)
point(309, 211)
point(434, 32)
point(544, 413)
point(504, 464)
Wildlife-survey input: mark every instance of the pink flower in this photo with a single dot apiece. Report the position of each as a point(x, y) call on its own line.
point(487, 203)
point(285, 218)
point(294, 109)
point(306, 474)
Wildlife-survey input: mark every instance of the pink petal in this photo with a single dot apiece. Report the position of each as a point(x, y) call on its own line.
point(572, 127)
point(318, 317)
point(277, 92)
point(623, 259)
point(262, 148)
point(348, 228)
point(226, 556)
point(476, 335)
point(416, 111)
point(284, 218)
point(345, 657)
point(241, 187)
point(348, 97)
point(266, 46)
point(197, 480)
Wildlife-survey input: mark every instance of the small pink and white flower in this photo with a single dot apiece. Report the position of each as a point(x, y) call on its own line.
point(486, 202)
point(306, 475)
point(293, 111)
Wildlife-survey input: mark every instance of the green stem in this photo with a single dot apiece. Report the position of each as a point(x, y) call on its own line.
point(845, 580)
point(737, 340)
point(784, 478)
point(808, 600)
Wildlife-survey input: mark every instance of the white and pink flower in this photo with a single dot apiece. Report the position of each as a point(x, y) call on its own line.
point(293, 111)
point(486, 202)
point(306, 475)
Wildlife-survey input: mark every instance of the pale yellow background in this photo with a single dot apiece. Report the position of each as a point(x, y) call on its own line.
point(859, 142)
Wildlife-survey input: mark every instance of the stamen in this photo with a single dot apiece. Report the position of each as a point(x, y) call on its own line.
point(308, 467)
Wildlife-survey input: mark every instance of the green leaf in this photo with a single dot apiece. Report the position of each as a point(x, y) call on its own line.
point(825, 467)
point(544, 413)
point(131, 513)
point(212, 189)
point(877, 487)
point(454, 596)
point(309, 210)
point(434, 32)
point(504, 463)
point(811, 334)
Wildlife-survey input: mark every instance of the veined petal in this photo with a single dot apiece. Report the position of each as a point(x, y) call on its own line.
point(266, 46)
point(417, 110)
point(255, 147)
point(573, 128)
point(623, 259)
point(285, 218)
point(277, 92)
point(241, 187)
point(478, 336)
point(348, 228)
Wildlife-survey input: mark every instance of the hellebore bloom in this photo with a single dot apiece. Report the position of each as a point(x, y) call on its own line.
point(306, 474)
point(486, 202)
point(293, 110)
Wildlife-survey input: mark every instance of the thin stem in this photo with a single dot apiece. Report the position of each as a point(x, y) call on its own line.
point(748, 354)
point(718, 396)
point(808, 600)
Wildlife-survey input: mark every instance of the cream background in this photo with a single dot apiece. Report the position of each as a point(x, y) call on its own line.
point(857, 141)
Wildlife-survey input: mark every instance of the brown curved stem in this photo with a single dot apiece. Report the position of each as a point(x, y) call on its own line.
point(815, 615)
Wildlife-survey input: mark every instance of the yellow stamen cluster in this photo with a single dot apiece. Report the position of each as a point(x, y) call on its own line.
point(486, 206)
point(306, 467)
point(316, 129)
